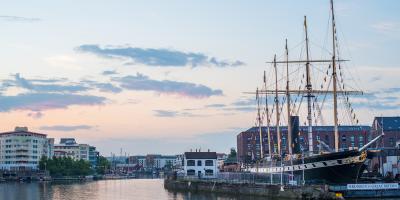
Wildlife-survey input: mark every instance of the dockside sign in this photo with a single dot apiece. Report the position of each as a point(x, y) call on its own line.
point(375, 186)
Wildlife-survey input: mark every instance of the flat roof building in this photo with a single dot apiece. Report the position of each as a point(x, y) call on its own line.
point(22, 149)
point(248, 142)
point(200, 164)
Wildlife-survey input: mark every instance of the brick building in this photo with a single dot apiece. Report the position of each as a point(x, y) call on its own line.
point(391, 128)
point(248, 142)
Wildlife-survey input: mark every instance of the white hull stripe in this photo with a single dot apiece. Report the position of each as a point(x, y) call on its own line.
point(328, 163)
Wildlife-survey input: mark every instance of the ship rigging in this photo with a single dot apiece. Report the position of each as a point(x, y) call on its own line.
point(314, 165)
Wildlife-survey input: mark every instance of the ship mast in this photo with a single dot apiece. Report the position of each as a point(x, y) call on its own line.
point(309, 93)
point(278, 133)
point(267, 114)
point(289, 125)
point(260, 125)
point(334, 77)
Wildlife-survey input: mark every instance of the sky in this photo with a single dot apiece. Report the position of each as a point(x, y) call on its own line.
point(166, 77)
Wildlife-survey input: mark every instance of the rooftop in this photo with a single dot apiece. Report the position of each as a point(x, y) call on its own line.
point(19, 130)
point(315, 128)
point(200, 155)
point(389, 123)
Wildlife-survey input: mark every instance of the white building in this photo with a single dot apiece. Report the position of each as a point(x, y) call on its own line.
point(69, 148)
point(154, 161)
point(200, 164)
point(22, 150)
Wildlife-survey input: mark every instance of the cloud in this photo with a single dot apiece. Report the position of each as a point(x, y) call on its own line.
point(59, 85)
point(46, 101)
point(106, 87)
point(392, 90)
point(144, 83)
point(65, 128)
point(170, 113)
point(387, 27)
point(35, 115)
point(157, 57)
point(30, 85)
point(384, 99)
point(109, 72)
point(165, 113)
point(241, 109)
point(18, 18)
point(245, 102)
point(217, 105)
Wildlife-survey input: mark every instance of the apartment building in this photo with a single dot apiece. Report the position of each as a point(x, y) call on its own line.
point(22, 149)
point(68, 147)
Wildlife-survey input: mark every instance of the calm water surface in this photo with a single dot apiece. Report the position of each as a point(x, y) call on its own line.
point(143, 189)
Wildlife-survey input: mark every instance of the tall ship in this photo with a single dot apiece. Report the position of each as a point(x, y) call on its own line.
point(326, 165)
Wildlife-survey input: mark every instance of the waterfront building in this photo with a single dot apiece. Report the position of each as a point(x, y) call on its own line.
point(179, 161)
point(200, 164)
point(22, 149)
point(386, 162)
point(126, 168)
point(68, 147)
point(351, 137)
point(390, 126)
point(155, 161)
point(93, 155)
point(221, 157)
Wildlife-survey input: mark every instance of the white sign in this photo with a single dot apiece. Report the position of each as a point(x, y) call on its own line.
point(376, 186)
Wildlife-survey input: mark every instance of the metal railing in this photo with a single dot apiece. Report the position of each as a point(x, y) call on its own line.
point(249, 178)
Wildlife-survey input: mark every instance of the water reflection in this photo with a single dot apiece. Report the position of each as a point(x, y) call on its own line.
point(143, 189)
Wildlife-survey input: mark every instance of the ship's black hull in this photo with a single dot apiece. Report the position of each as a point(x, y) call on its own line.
point(331, 168)
point(334, 174)
point(343, 173)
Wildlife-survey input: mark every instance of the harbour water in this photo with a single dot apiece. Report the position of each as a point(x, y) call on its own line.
point(141, 189)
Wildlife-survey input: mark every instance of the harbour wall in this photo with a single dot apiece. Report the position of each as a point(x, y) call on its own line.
point(265, 190)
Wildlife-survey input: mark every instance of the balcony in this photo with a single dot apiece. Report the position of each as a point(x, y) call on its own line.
point(21, 151)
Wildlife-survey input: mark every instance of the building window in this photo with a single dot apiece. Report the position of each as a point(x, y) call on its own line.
point(190, 172)
point(199, 163)
point(327, 139)
point(360, 141)
point(209, 163)
point(352, 141)
point(209, 172)
point(190, 163)
point(391, 142)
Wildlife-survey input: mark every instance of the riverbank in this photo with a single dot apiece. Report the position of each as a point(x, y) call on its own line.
point(42, 175)
point(251, 189)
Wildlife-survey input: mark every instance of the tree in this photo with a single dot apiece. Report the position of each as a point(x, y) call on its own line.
point(232, 154)
point(102, 165)
point(65, 166)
